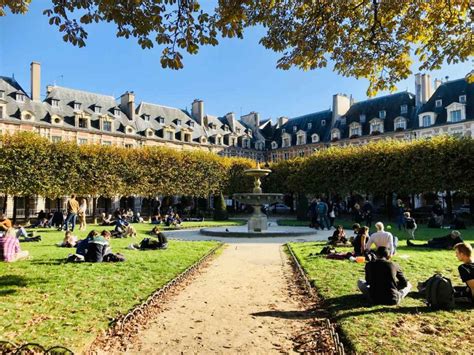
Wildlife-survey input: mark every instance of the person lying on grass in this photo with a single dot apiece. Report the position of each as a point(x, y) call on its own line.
point(10, 250)
point(381, 238)
point(446, 242)
point(149, 243)
point(338, 237)
point(384, 281)
point(466, 272)
point(69, 240)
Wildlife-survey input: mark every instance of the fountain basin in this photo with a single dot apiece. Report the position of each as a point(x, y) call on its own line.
point(272, 231)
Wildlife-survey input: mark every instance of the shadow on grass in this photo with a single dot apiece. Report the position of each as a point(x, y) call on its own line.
point(49, 262)
point(11, 281)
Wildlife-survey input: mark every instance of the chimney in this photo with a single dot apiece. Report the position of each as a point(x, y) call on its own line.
point(437, 84)
point(127, 104)
point(252, 119)
point(197, 111)
point(423, 89)
point(35, 81)
point(282, 121)
point(340, 105)
point(231, 120)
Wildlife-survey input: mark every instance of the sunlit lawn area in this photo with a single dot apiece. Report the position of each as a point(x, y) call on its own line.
point(47, 301)
point(408, 328)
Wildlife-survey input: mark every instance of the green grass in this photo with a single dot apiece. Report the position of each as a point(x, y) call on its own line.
point(408, 328)
point(47, 301)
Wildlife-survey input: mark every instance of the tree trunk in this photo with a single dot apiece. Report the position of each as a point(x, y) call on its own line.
point(15, 202)
point(150, 207)
point(27, 208)
point(388, 203)
point(449, 204)
point(94, 209)
point(5, 204)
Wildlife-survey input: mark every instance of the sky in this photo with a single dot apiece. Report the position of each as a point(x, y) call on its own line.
point(236, 76)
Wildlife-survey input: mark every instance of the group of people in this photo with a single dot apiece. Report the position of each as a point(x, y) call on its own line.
point(385, 282)
point(171, 218)
point(321, 214)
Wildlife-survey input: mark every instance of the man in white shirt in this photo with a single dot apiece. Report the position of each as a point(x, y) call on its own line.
point(381, 239)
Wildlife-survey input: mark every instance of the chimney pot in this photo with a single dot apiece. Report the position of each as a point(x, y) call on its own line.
point(35, 81)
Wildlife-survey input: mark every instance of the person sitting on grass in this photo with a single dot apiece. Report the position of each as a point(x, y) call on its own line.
point(338, 237)
point(384, 281)
point(466, 272)
point(381, 238)
point(106, 220)
point(410, 225)
point(10, 250)
point(97, 248)
point(446, 242)
point(81, 246)
point(5, 223)
point(69, 240)
point(151, 243)
point(360, 241)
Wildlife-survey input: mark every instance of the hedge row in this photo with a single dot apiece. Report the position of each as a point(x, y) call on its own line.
point(32, 165)
point(442, 163)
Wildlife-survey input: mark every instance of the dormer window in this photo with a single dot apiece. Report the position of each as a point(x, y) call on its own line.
point(146, 117)
point(219, 140)
point(382, 114)
point(310, 125)
point(149, 133)
point(315, 138)
point(274, 145)
point(2, 94)
point(439, 103)
point(191, 123)
point(161, 120)
point(400, 124)
point(295, 128)
point(238, 130)
point(286, 142)
point(301, 139)
point(20, 97)
point(178, 122)
point(203, 140)
point(83, 122)
point(323, 122)
point(117, 112)
point(455, 116)
point(362, 118)
point(129, 130)
point(56, 120)
point(27, 116)
point(376, 126)
point(335, 134)
point(426, 120)
point(97, 109)
point(77, 105)
point(226, 129)
point(355, 130)
point(54, 103)
point(403, 109)
point(107, 124)
point(462, 99)
point(283, 131)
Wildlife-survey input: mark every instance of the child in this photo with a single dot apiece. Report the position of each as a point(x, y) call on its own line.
point(410, 225)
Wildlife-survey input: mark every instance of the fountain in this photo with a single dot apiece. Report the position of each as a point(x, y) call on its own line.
point(258, 225)
point(258, 221)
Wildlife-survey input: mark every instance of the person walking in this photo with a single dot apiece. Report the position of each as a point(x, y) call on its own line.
point(410, 225)
point(82, 214)
point(322, 209)
point(367, 211)
point(72, 211)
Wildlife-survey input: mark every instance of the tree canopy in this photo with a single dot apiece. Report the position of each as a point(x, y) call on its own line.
point(372, 39)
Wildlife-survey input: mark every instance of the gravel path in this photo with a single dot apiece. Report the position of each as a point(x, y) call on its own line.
point(242, 303)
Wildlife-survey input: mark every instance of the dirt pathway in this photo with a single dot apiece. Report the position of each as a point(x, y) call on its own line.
point(242, 303)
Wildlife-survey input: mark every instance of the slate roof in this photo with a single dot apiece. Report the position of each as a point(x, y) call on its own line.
point(449, 92)
point(391, 104)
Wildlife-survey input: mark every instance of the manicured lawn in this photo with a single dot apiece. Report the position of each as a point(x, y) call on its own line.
point(47, 301)
point(408, 328)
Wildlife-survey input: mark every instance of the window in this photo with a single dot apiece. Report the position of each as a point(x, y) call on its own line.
point(54, 103)
point(274, 145)
point(2, 111)
point(362, 118)
point(117, 112)
point(187, 137)
point(310, 125)
point(238, 130)
point(27, 117)
point(355, 130)
point(426, 120)
point(219, 141)
point(462, 99)
point(203, 140)
point(382, 114)
point(161, 120)
point(146, 117)
point(97, 109)
point(403, 109)
point(438, 103)
point(283, 130)
point(178, 122)
point(107, 126)
point(2, 94)
point(335, 134)
point(315, 138)
point(82, 123)
point(191, 124)
point(106, 143)
point(286, 142)
point(226, 129)
point(82, 141)
point(128, 145)
point(77, 105)
point(455, 116)
point(129, 130)
point(375, 127)
point(400, 124)
point(57, 120)
point(300, 140)
point(323, 122)
point(20, 97)
point(295, 128)
point(170, 135)
point(56, 139)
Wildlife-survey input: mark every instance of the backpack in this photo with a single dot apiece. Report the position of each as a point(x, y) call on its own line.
point(439, 292)
point(114, 258)
point(410, 223)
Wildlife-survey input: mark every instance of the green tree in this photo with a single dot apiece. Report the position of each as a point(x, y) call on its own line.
point(372, 39)
point(220, 209)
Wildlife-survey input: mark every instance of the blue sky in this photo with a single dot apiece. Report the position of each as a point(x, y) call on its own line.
point(235, 76)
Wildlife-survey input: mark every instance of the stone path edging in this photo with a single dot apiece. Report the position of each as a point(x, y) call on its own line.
point(126, 325)
point(310, 289)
